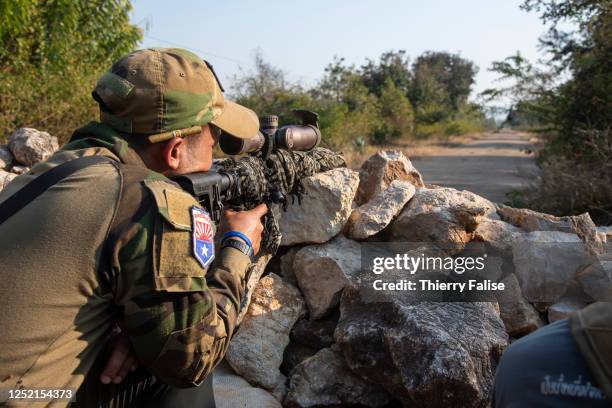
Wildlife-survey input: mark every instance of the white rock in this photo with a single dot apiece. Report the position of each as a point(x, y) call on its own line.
point(324, 380)
point(256, 351)
point(605, 234)
point(30, 146)
point(546, 262)
point(5, 178)
point(20, 169)
point(381, 169)
point(233, 391)
point(376, 214)
point(443, 216)
point(325, 208)
point(322, 272)
point(564, 309)
point(6, 157)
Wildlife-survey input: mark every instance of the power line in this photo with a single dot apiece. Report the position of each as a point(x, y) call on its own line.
point(235, 61)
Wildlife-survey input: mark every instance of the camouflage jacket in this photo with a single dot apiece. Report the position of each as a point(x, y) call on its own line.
point(179, 315)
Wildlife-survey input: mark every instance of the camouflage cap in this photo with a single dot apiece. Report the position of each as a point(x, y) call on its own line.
point(168, 92)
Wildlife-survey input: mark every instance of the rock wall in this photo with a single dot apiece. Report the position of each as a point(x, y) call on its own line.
point(311, 336)
point(25, 148)
point(399, 352)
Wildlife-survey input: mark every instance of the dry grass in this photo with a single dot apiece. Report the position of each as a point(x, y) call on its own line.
point(568, 187)
point(411, 147)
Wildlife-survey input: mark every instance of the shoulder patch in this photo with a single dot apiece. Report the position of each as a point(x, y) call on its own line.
point(179, 267)
point(203, 234)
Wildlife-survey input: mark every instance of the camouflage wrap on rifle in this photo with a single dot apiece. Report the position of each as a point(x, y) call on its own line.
point(284, 171)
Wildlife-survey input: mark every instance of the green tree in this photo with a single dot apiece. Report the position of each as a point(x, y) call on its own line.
point(570, 98)
point(396, 114)
point(51, 52)
point(527, 89)
point(441, 86)
point(349, 112)
point(391, 66)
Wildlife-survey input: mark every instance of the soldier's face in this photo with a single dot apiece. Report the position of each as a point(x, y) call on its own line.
point(189, 154)
point(200, 149)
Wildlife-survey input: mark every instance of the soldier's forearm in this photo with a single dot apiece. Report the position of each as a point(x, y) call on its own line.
point(198, 349)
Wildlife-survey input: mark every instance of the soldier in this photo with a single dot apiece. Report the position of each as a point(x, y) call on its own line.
point(565, 364)
point(99, 235)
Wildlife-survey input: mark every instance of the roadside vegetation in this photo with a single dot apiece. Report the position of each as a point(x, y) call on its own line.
point(51, 54)
point(566, 99)
point(379, 102)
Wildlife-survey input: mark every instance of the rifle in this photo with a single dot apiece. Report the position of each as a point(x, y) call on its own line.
point(271, 169)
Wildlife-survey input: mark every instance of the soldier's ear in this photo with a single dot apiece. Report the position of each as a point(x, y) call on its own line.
point(173, 153)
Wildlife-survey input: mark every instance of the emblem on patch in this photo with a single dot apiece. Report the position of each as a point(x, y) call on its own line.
point(203, 243)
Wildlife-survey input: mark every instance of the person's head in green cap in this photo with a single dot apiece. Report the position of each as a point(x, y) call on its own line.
point(168, 103)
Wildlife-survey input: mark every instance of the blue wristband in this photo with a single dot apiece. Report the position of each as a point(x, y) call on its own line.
point(238, 234)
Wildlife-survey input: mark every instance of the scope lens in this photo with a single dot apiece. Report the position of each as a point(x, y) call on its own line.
point(231, 145)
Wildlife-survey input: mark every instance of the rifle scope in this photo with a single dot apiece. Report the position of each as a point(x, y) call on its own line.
point(291, 137)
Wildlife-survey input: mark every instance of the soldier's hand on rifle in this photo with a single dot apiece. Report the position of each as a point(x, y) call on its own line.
point(247, 222)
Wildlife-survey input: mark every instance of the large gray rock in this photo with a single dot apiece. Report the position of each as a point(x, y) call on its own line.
point(381, 169)
point(322, 272)
point(546, 262)
point(256, 351)
point(586, 229)
point(596, 280)
point(30, 146)
point(233, 391)
point(5, 178)
point(496, 233)
point(519, 317)
point(315, 333)
point(294, 354)
point(324, 380)
point(324, 208)
point(376, 214)
point(443, 216)
point(428, 354)
point(6, 158)
point(530, 221)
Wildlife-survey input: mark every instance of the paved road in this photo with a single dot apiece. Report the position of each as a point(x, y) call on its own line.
point(491, 166)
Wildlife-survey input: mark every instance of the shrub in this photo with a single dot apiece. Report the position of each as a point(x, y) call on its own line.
point(51, 53)
point(569, 187)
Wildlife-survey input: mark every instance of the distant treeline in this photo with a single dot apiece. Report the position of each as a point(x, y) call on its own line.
point(375, 103)
point(52, 52)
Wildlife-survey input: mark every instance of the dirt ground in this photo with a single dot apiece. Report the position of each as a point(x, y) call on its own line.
point(489, 164)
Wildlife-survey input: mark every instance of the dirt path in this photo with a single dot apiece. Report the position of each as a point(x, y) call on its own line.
point(491, 166)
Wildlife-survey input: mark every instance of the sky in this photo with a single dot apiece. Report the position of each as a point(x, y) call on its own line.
point(302, 37)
